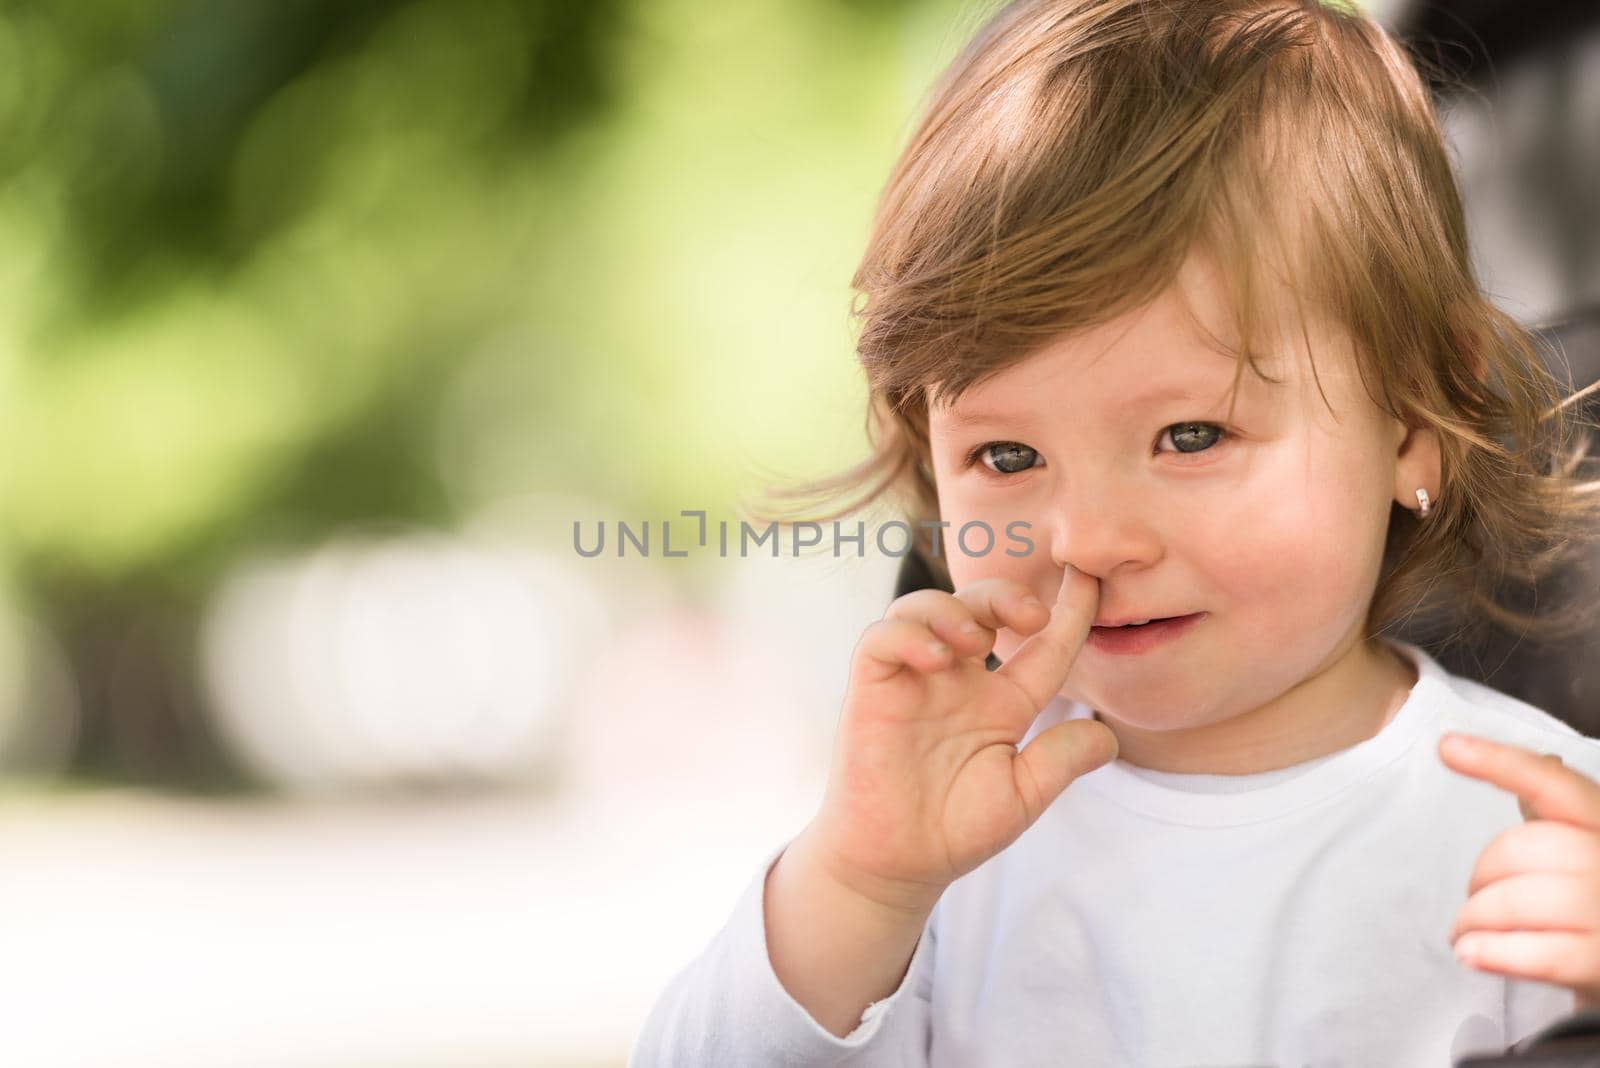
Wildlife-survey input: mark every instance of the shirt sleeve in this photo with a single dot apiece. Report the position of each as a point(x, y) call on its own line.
point(727, 1008)
point(1532, 1006)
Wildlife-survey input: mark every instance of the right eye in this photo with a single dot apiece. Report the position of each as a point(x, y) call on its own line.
point(1004, 457)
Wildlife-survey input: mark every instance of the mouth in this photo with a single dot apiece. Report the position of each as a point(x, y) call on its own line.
point(1133, 638)
point(1103, 625)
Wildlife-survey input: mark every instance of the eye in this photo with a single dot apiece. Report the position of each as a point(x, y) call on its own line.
point(1192, 437)
point(1004, 457)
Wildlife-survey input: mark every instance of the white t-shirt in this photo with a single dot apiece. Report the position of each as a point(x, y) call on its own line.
point(1299, 917)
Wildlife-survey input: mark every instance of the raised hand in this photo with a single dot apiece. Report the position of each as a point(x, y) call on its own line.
point(926, 781)
point(1533, 903)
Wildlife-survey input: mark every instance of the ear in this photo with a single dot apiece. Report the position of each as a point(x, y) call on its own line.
point(1416, 466)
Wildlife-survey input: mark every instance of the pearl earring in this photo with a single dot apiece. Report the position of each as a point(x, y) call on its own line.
point(1422, 500)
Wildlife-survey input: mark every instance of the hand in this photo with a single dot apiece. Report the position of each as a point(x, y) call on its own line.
point(1533, 904)
point(926, 781)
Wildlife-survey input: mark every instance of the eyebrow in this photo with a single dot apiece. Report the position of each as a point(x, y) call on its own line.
point(966, 420)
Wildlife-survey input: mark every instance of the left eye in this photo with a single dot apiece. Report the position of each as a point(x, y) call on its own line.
point(1193, 437)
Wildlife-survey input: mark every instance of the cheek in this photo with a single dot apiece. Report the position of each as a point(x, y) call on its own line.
point(1033, 570)
point(979, 554)
point(976, 541)
point(1305, 552)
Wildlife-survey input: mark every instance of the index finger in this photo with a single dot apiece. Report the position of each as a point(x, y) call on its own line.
point(1041, 665)
point(1545, 787)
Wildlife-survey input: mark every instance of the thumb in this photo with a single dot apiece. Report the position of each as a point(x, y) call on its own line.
point(1058, 756)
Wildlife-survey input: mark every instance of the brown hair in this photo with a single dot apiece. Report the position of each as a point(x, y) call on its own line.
point(1075, 153)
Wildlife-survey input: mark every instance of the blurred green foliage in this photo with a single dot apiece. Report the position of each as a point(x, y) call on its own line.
point(275, 267)
point(256, 249)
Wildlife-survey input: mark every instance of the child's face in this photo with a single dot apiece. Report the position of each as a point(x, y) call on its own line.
point(1275, 530)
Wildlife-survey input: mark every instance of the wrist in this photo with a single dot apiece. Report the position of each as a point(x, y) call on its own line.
point(897, 899)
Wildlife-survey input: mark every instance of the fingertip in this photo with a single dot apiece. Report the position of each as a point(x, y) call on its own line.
point(1112, 746)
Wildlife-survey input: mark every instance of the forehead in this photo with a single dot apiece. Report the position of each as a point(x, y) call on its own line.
point(1184, 346)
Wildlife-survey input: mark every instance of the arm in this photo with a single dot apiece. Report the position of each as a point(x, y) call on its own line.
point(728, 1008)
point(834, 949)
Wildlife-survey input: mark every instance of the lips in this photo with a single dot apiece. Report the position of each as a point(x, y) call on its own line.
point(1133, 640)
point(1130, 621)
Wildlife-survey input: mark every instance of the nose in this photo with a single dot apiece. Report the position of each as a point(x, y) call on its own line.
point(1101, 527)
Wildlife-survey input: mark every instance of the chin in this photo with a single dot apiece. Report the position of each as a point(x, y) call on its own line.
point(1155, 713)
point(1162, 721)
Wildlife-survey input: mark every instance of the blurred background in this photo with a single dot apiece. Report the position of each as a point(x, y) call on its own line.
point(324, 325)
